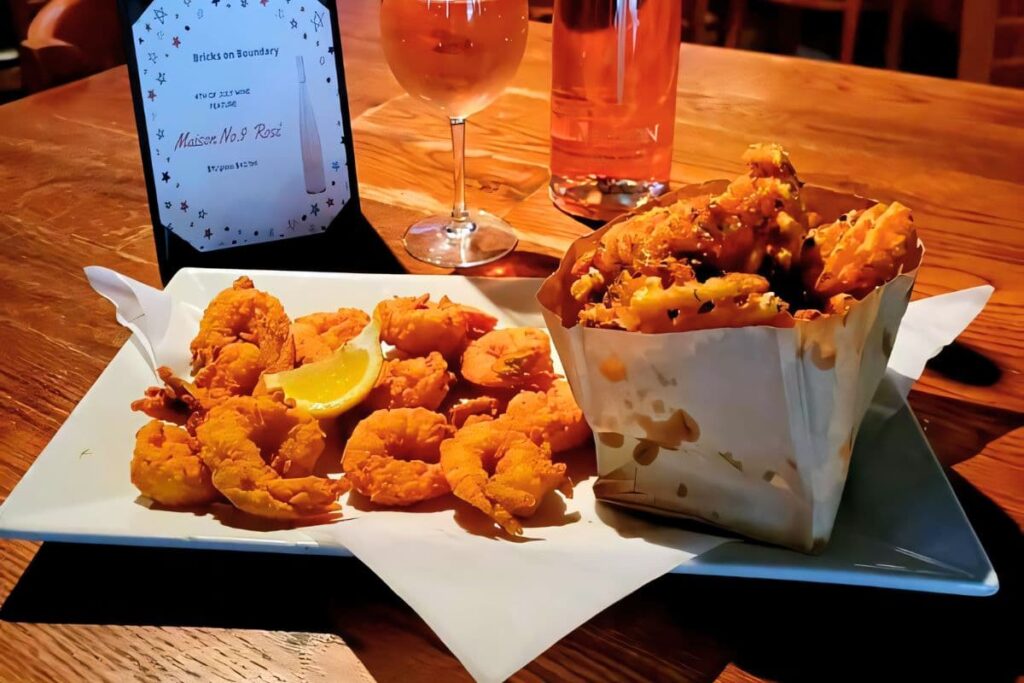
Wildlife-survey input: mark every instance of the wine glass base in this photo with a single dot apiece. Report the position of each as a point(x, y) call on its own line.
point(444, 242)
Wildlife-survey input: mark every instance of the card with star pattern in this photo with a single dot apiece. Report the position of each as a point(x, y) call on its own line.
point(243, 123)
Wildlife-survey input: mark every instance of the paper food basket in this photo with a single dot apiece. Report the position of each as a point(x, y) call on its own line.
point(749, 429)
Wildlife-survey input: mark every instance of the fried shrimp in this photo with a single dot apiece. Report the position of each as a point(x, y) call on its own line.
point(514, 357)
point(858, 252)
point(416, 326)
point(167, 468)
point(244, 313)
point(177, 401)
point(411, 383)
point(319, 334)
point(235, 372)
point(224, 365)
point(523, 476)
point(551, 417)
point(501, 471)
point(295, 434)
point(392, 456)
point(240, 436)
point(470, 406)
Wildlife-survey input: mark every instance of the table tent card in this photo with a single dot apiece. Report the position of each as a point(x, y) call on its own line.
point(244, 129)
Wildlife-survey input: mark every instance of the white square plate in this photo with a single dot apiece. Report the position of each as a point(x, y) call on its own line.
point(899, 526)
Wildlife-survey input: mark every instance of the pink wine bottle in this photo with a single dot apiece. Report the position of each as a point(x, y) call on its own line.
point(309, 137)
point(614, 69)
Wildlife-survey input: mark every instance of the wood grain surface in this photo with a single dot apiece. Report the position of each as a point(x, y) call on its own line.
point(71, 194)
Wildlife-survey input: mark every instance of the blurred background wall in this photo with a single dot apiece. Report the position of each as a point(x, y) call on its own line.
point(44, 43)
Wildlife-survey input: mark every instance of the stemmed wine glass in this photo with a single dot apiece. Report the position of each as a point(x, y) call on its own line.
point(458, 55)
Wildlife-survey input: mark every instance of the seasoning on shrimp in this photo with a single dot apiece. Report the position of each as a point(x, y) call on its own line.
point(392, 456)
point(510, 358)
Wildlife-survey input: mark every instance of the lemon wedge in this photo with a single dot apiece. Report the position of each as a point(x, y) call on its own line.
point(329, 387)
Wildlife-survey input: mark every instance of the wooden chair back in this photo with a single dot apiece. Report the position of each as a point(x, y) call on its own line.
point(69, 39)
point(992, 42)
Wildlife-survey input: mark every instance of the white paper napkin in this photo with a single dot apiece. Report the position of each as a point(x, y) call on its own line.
point(498, 604)
point(162, 326)
point(928, 326)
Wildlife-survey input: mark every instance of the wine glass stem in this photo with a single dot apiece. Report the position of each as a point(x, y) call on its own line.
point(460, 226)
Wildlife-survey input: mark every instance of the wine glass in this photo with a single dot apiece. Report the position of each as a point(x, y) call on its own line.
point(458, 55)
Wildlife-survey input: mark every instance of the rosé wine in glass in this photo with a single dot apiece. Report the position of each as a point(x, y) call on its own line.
point(458, 55)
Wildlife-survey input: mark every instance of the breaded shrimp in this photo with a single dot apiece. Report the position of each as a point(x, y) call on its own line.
point(176, 401)
point(392, 456)
point(550, 417)
point(411, 383)
point(472, 462)
point(241, 434)
point(416, 326)
point(318, 335)
point(509, 358)
point(470, 406)
point(167, 468)
point(235, 372)
point(243, 313)
point(523, 477)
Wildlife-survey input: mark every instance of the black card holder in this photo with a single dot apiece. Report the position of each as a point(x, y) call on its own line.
point(348, 243)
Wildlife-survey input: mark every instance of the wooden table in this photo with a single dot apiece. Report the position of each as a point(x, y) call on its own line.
point(71, 194)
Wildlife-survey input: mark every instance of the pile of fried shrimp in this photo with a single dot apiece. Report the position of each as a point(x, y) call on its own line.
point(752, 255)
point(459, 408)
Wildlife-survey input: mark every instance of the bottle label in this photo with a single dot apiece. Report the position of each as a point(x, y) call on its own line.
point(241, 149)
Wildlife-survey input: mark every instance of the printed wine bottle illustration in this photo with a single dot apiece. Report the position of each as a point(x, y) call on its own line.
point(309, 137)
